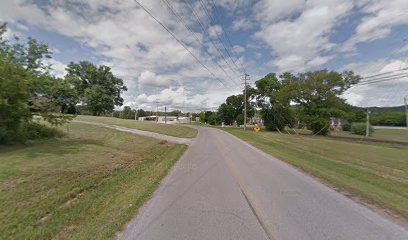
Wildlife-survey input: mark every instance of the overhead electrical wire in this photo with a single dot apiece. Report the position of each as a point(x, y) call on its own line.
point(226, 34)
point(179, 41)
point(181, 19)
point(212, 21)
point(384, 73)
point(385, 79)
point(203, 28)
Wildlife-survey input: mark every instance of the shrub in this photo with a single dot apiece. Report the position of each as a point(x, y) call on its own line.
point(27, 131)
point(360, 129)
point(319, 126)
point(37, 131)
point(346, 127)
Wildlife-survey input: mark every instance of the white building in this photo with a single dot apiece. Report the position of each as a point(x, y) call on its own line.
point(165, 119)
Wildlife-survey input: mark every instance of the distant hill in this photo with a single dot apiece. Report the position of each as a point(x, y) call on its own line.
point(383, 109)
point(388, 109)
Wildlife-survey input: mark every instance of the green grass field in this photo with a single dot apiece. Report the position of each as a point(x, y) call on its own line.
point(397, 135)
point(378, 173)
point(86, 185)
point(174, 130)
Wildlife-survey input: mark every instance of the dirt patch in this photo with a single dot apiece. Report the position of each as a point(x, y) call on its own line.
point(72, 200)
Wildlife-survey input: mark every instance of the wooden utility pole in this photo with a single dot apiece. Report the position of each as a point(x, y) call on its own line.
point(406, 109)
point(157, 110)
point(246, 77)
point(368, 123)
point(165, 114)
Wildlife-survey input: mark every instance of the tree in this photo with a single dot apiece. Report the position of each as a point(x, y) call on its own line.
point(233, 109)
point(273, 97)
point(128, 113)
point(317, 95)
point(209, 117)
point(14, 97)
point(97, 87)
point(43, 89)
point(141, 113)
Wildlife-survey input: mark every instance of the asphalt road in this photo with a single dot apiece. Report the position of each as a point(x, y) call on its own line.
point(222, 188)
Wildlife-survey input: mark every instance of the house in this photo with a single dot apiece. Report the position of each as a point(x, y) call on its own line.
point(165, 119)
point(337, 124)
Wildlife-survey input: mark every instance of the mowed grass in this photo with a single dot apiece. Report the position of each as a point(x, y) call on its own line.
point(84, 186)
point(174, 130)
point(377, 173)
point(397, 135)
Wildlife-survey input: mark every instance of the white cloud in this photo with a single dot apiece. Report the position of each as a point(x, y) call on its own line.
point(215, 31)
point(58, 68)
point(238, 49)
point(242, 24)
point(380, 17)
point(298, 32)
point(148, 78)
point(387, 93)
point(179, 97)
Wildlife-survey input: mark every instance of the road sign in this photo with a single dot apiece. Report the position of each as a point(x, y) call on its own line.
point(257, 129)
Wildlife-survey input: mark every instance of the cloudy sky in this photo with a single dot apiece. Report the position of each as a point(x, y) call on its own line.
point(219, 40)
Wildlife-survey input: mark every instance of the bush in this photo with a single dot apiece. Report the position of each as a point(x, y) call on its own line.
point(346, 127)
point(360, 128)
point(27, 131)
point(37, 131)
point(320, 126)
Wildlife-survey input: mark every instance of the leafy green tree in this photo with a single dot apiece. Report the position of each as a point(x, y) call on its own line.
point(41, 87)
point(317, 95)
point(14, 95)
point(233, 109)
point(141, 113)
point(209, 117)
point(97, 87)
point(128, 113)
point(273, 97)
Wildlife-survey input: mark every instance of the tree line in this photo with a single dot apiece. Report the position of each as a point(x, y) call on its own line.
point(292, 100)
point(28, 90)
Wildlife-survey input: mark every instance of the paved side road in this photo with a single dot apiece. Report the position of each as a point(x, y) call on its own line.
point(178, 140)
point(222, 188)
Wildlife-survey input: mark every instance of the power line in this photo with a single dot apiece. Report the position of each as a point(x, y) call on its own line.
point(385, 79)
point(180, 17)
point(212, 21)
point(385, 73)
point(204, 30)
point(381, 77)
point(179, 41)
point(226, 35)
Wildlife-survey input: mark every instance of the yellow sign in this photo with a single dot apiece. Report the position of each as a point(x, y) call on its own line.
point(257, 129)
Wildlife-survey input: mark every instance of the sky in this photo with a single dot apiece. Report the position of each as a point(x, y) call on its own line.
point(212, 43)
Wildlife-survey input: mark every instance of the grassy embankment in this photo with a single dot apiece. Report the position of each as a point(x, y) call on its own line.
point(376, 172)
point(86, 185)
point(396, 135)
point(174, 130)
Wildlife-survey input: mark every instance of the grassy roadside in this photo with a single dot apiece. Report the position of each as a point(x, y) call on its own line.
point(84, 186)
point(397, 135)
point(174, 130)
point(377, 173)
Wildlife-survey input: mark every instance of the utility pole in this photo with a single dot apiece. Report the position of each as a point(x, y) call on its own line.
point(246, 77)
point(136, 113)
point(165, 114)
point(406, 109)
point(157, 110)
point(368, 123)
